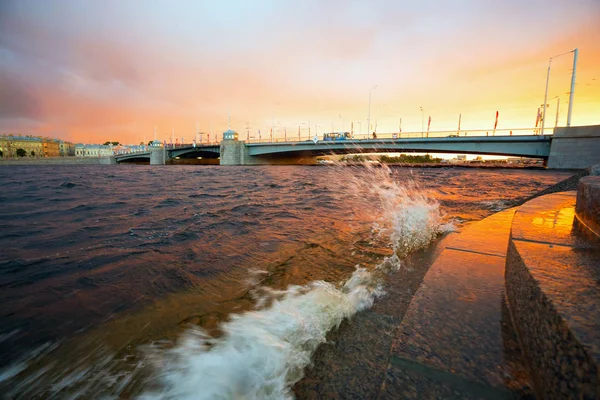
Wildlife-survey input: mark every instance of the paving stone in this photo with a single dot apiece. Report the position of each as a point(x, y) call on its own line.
point(451, 342)
point(407, 379)
point(454, 321)
point(490, 237)
point(553, 287)
point(570, 278)
point(549, 219)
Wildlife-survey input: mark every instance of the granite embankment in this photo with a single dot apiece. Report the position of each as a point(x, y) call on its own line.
point(450, 334)
point(562, 186)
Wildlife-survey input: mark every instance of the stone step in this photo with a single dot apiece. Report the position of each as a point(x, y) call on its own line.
point(553, 288)
point(588, 203)
point(455, 340)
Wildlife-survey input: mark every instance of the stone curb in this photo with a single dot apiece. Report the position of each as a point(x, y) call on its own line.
point(588, 203)
point(553, 292)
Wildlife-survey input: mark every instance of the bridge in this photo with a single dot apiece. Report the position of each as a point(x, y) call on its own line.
point(300, 150)
point(159, 155)
point(516, 146)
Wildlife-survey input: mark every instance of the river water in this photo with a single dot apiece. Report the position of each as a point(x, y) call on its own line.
point(207, 281)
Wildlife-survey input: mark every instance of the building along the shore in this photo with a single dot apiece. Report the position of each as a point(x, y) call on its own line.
point(34, 146)
point(9, 144)
point(93, 150)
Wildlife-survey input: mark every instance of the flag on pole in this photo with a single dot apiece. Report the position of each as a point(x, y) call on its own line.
point(428, 125)
point(496, 123)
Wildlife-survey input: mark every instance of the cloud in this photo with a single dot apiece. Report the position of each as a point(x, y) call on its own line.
point(122, 67)
point(18, 100)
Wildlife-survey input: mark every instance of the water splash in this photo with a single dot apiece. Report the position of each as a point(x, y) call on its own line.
point(264, 352)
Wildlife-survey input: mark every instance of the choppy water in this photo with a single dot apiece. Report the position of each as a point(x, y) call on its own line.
point(191, 281)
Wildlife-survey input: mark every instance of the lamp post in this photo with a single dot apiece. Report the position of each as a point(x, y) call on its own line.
point(557, 108)
point(422, 121)
point(575, 51)
point(369, 115)
point(273, 125)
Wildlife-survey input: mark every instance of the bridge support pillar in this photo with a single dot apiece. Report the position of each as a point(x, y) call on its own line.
point(158, 156)
point(575, 147)
point(233, 152)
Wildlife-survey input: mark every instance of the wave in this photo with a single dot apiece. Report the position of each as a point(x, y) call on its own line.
point(262, 354)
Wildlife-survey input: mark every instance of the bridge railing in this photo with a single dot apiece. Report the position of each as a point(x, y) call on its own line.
point(172, 146)
point(118, 153)
point(410, 135)
point(304, 137)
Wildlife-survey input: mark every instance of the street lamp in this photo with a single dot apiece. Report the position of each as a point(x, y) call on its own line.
point(572, 87)
point(422, 121)
point(369, 115)
point(273, 126)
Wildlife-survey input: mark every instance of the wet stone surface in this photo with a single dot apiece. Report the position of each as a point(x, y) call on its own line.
point(553, 286)
point(353, 362)
point(549, 219)
point(453, 340)
point(456, 340)
point(588, 202)
point(406, 379)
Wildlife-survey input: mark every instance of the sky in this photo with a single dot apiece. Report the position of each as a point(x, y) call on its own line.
point(91, 71)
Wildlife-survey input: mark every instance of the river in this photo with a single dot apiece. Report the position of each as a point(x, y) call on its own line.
point(207, 281)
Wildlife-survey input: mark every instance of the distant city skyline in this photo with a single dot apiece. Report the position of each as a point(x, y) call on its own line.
point(90, 71)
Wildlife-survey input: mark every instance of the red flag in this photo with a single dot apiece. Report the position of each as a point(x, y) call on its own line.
point(538, 118)
point(429, 123)
point(496, 123)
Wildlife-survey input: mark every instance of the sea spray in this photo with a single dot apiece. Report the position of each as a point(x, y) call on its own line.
point(261, 354)
point(405, 215)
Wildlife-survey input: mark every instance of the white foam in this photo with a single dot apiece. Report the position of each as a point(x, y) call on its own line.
point(263, 353)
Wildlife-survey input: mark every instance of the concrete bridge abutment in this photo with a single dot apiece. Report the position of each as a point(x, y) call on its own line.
point(158, 156)
point(234, 152)
point(575, 147)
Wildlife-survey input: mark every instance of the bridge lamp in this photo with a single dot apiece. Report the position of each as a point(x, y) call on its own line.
point(422, 121)
point(369, 115)
point(575, 51)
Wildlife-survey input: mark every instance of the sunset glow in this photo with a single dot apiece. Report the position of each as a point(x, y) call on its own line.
point(92, 71)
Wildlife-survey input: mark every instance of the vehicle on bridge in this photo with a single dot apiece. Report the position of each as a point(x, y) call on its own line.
point(337, 136)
